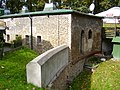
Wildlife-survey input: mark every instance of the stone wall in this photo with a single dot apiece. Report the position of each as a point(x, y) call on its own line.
point(54, 30)
point(17, 26)
point(86, 35)
point(89, 29)
point(67, 75)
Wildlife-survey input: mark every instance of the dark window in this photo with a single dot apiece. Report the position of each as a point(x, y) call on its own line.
point(82, 42)
point(27, 39)
point(38, 39)
point(16, 36)
point(89, 34)
point(8, 37)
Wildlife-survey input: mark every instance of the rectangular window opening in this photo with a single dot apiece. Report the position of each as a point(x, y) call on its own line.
point(27, 37)
point(8, 37)
point(38, 40)
point(16, 36)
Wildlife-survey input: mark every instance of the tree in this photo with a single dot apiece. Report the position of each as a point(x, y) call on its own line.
point(40, 4)
point(2, 41)
point(80, 5)
point(14, 5)
point(119, 3)
point(106, 4)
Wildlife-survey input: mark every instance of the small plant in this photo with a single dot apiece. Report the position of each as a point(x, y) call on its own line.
point(92, 61)
point(17, 42)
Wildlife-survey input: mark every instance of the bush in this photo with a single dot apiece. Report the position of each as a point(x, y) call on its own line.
point(17, 42)
point(92, 61)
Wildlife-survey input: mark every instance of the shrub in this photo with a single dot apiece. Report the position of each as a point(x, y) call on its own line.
point(17, 42)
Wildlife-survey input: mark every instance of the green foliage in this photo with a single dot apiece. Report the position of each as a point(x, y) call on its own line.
point(82, 82)
point(13, 70)
point(83, 5)
point(94, 60)
point(80, 5)
point(119, 3)
point(40, 4)
point(14, 5)
point(17, 42)
point(107, 76)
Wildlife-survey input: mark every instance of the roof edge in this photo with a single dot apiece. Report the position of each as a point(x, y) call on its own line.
point(41, 13)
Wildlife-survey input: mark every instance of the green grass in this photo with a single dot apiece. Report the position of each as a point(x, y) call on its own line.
point(13, 70)
point(82, 82)
point(106, 77)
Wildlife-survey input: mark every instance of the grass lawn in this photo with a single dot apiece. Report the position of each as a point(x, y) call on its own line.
point(106, 77)
point(82, 82)
point(13, 70)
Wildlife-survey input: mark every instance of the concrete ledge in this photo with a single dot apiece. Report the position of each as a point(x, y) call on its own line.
point(45, 68)
point(47, 55)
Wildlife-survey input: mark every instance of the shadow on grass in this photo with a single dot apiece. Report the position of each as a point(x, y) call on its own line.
point(106, 77)
point(82, 82)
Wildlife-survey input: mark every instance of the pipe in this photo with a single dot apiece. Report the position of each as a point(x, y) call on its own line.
point(31, 31)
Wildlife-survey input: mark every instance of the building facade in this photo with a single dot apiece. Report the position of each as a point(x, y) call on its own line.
point(53, 28)
point(44, 30)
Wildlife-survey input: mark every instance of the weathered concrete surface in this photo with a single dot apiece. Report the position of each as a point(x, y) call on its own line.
point(44, 69)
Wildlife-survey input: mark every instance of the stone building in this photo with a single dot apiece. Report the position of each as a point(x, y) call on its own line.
point(44, 30)
point(81, 32)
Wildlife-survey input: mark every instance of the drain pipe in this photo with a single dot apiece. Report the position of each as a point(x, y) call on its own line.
point(31, 31)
